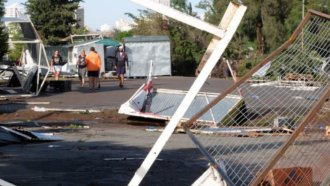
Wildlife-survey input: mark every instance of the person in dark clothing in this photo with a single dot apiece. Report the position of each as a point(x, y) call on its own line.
point(121, 64)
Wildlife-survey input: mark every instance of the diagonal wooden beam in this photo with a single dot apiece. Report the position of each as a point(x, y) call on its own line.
point(220, 47)
point(223, 24)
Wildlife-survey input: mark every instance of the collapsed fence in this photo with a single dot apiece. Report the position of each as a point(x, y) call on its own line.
point(296, 151)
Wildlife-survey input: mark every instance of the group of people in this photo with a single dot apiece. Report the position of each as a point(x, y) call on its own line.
point(91, 64)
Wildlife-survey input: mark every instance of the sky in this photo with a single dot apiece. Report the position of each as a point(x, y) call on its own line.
point(100, 12)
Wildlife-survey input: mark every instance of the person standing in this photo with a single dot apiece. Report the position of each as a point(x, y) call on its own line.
point(121, 64)
point(93, 62)
point(81, 65)
point(56, 63)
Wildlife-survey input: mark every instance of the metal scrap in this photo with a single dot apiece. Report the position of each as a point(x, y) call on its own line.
point(44, 109)
point(12, 136)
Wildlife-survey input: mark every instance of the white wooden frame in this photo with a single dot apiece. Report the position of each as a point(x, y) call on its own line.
point(230, 22)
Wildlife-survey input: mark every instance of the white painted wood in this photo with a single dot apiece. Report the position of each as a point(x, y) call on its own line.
point(42, 49)
point(44, 109)
point(232, 73)
point(183, 107)
point(25, 42)
point(209, 178)
point(227, 17)
point(179, 16)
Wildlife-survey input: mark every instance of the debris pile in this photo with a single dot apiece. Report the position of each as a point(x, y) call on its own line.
point(14, 136)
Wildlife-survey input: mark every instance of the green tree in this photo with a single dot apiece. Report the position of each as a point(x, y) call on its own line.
point(258, 24)
point(187, 49)
point(54, 19)
point(188, 44)
point(265, 26)
point(15, 33)
point(80, 30)
point(3, 33)
point(148, 23)
point(120, 35)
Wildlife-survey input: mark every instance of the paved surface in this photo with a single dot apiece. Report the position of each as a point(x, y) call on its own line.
point(110, 96)
point(109, 151)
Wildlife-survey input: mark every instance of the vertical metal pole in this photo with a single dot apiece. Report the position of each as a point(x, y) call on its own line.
point(233, 74)
point(38, 71)
point(47, 73)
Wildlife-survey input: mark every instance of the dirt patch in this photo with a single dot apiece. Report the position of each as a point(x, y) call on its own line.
point(29, 115)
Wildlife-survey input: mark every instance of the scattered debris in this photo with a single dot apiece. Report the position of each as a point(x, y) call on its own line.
point(45, 136)
point(20, 124)
point(238, 132)
point(246, 132)
point(11, 136)
point(32, 103)
point(152, 129)
point(125, 158)
point(43, 109)
point(8, 136)
point(164, 103)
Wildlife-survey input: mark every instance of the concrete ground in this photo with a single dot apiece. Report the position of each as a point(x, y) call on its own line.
point(97, 148)
point(111, 96)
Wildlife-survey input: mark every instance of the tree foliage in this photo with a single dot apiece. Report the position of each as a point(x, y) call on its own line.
point(120, 35)
point(80, 30)
point(53, 19)
point(3, 33)
point(15, 31)
point(265, 26)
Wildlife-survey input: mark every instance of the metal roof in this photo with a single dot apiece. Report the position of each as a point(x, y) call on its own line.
point(14, 20)
point(165, 102)
point(28, 31)
point(108, 42)
point(136, 39)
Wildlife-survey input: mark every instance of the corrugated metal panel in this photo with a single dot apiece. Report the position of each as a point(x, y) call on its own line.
point(140, 54)
point(165, 102)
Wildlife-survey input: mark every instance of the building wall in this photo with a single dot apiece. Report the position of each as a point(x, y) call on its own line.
point(80, 15)
point(11, 11)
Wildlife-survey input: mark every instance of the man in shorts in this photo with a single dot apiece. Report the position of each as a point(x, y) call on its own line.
point(121, 64)
point(93, 62)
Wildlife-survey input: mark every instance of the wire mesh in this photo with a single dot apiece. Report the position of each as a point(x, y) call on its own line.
point(267, 139)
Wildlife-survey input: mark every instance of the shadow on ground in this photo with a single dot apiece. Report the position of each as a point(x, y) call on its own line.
point(95, 163)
